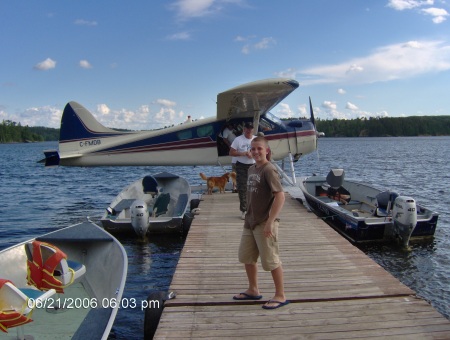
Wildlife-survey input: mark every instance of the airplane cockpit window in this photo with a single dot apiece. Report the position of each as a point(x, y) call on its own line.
point(265, 125)
point(185, 134)
point(204, 131)
point(269, 122)
point(273, 118)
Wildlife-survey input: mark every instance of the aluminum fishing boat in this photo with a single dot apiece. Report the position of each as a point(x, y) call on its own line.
point(364, 213)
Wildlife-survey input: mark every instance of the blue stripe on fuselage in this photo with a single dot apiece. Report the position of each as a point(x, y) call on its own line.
point(172, 140)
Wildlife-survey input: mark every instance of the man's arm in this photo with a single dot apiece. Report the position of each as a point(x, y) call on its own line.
point(235, 153)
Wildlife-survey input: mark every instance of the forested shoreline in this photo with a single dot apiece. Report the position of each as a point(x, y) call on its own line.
point(12, 132)
point(384, 127)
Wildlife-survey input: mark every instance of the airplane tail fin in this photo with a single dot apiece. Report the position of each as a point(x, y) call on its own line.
point(78, 126)
point(77, 123)
point(203, 176)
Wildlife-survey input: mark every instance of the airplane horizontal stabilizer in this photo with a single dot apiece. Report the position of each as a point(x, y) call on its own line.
point(51, 158)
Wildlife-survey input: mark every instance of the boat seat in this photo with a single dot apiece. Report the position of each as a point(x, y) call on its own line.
point(149, 185)
point(340, 194)
point(122, 205)
point(15, 306)
point(385, 202)
point(49, 268)
point(161, 204)
point(180, 207)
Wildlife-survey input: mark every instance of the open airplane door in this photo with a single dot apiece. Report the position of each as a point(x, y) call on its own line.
point(252, 99)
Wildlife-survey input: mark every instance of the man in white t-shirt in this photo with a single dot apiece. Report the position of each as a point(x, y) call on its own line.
point(240, 149)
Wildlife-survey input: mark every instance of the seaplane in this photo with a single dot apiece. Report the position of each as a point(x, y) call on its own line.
point(84, 142)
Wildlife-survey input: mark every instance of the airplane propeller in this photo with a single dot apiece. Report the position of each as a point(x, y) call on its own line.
point(313, 121)
point(312, 114)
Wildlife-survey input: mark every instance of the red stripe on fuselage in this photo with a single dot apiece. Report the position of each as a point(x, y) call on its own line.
point(198, 143)
point(176, 145)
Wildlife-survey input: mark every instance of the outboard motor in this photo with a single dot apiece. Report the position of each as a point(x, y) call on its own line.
point(139, 217)
point(335, 178)
point(404, 215)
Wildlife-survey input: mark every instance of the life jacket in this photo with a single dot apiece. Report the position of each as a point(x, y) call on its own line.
point(12, 318)
point(41, 274)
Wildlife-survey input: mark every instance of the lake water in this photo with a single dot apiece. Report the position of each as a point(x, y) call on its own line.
point(36, 200)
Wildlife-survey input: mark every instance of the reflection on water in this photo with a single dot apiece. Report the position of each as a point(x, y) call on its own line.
point(416, 167)
point(424, 267)
point(151, 267)
point(37, 200)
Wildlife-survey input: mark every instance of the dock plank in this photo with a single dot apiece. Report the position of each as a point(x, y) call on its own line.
point(336, 291)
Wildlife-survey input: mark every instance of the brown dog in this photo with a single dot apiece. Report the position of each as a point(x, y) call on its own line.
point(233, 179)
point(218, 182)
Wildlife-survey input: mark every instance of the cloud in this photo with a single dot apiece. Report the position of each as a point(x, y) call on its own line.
point(103, 109)
point(186, 9)
point(165, 102)
point(180, 36)
point(45, 65)
point(397, 61)
point(439, 15)
point(354, 69)
point(302, 111)
point(192, 9)
point(341, 91)
point(245, 49)
point(83, 22)
point(85, 64)
point(401, 5)
point(329, 105)
point(284, 111)
point(288, 73)
point(249, 46)
point(351, 107)
point(48, 116)
point(331, 110)
point(158, 114)
point(240, 38)
point(265, 43)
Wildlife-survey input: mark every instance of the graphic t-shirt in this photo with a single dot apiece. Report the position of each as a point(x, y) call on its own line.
point(262, 182)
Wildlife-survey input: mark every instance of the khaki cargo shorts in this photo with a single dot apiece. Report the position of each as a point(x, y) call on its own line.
point(254, 244)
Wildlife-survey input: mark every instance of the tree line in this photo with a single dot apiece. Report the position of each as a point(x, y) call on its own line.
point(12, 132)
point(384, 127)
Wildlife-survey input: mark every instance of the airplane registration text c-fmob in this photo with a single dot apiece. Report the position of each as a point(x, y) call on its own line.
point(90, 142)
point(85, 142)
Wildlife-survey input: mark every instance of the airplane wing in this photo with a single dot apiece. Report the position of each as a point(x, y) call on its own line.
point(254, 98)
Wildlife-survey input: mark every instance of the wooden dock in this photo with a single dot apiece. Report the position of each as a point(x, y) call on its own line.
point(336, 291)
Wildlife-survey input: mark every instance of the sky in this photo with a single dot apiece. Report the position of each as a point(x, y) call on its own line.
point(139, 64)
